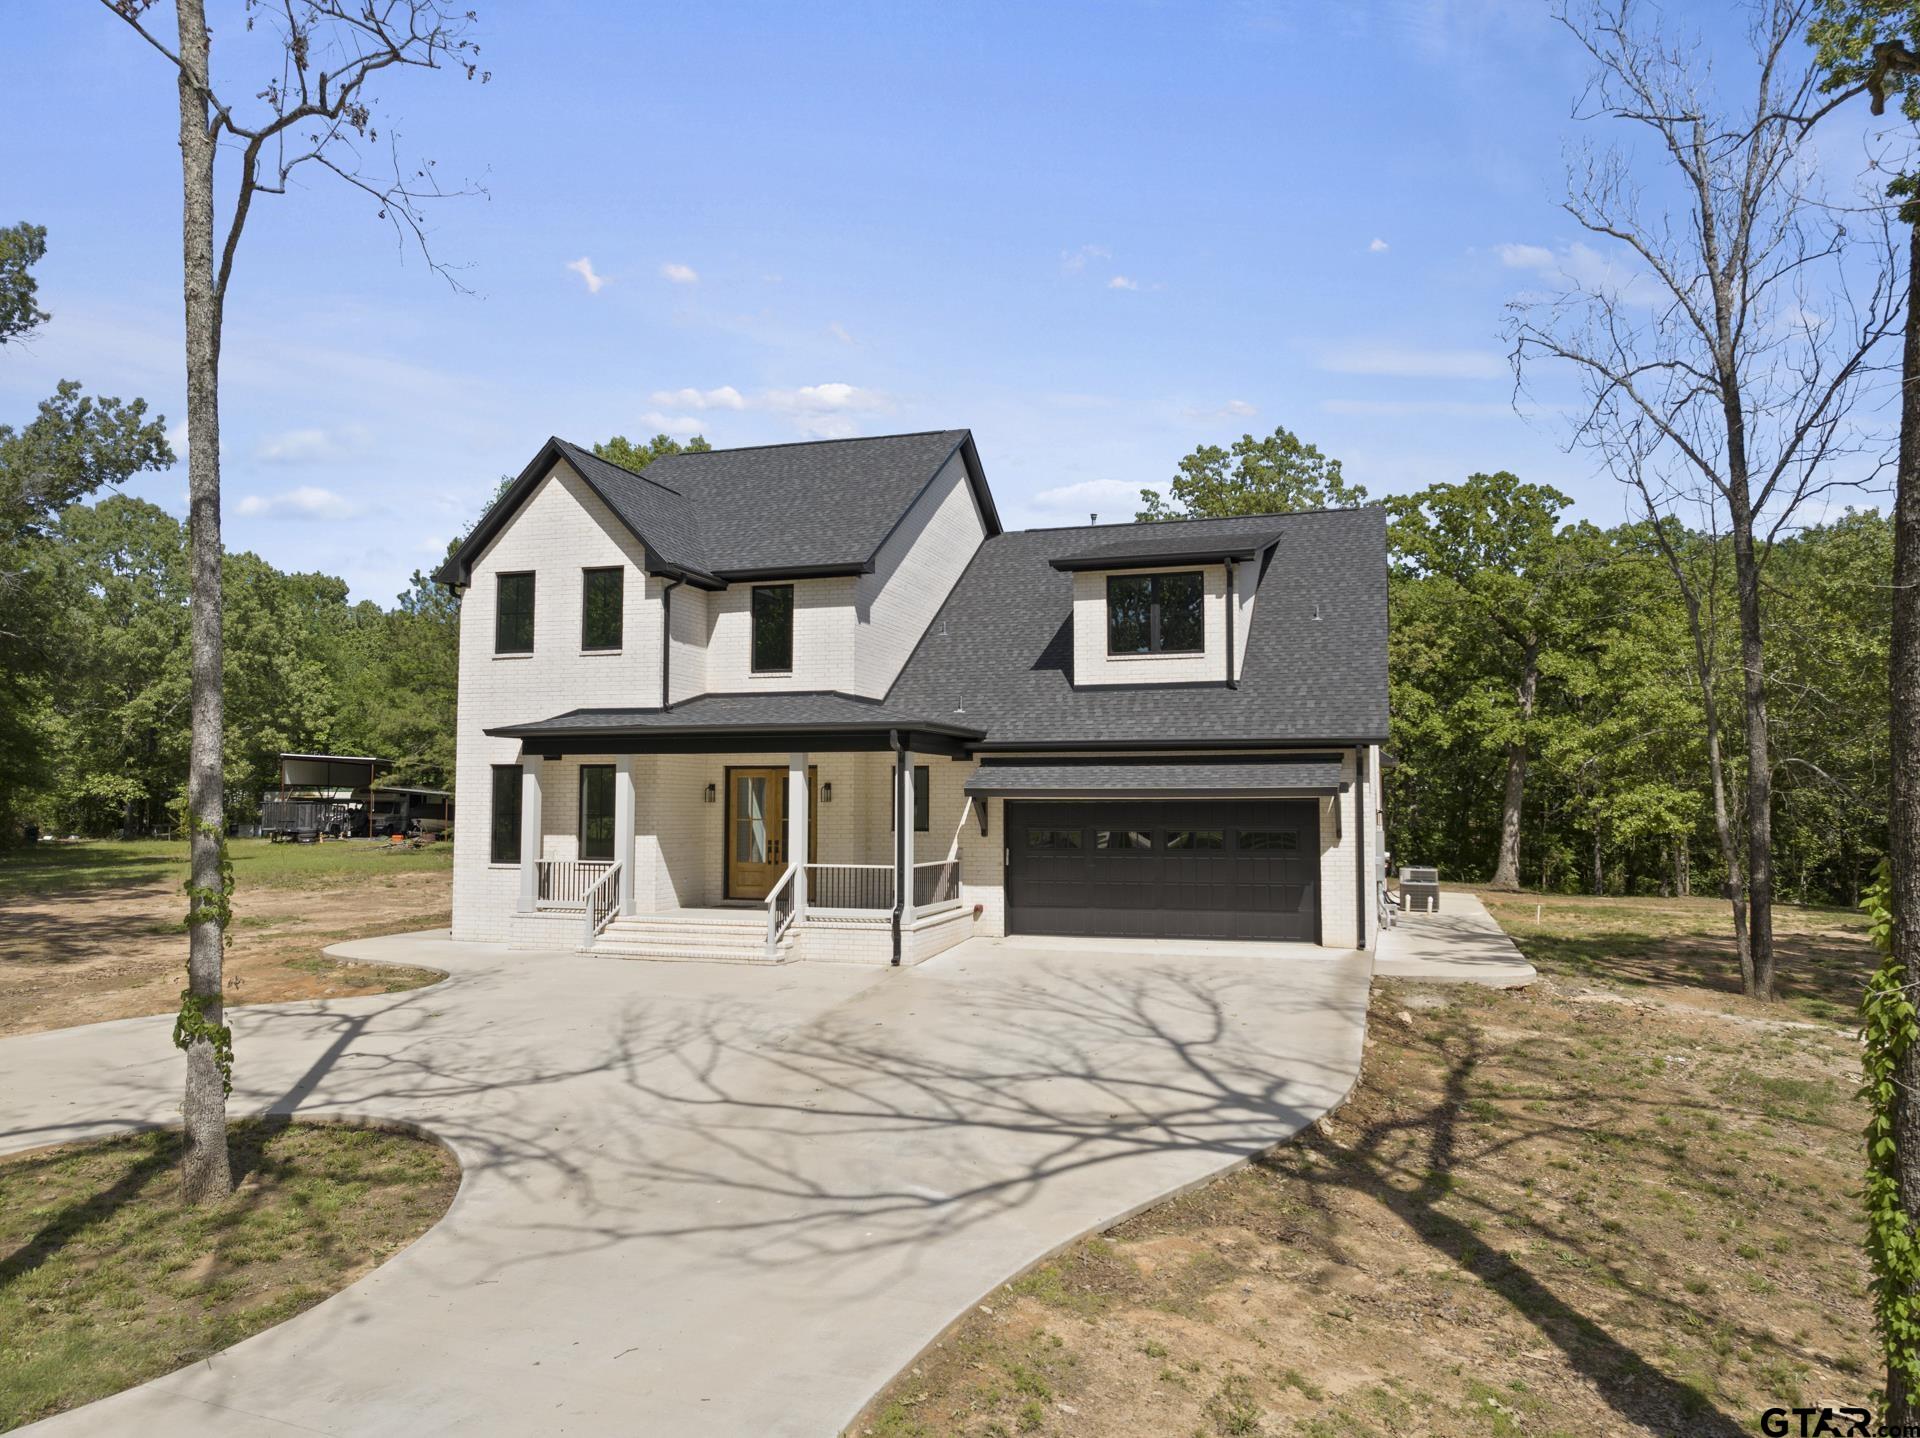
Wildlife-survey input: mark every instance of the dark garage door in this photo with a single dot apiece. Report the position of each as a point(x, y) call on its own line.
point(1164, 869)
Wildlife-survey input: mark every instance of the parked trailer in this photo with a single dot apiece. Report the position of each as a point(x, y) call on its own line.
point(303, 821)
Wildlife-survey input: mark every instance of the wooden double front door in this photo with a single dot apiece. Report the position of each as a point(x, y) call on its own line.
point(756, 837)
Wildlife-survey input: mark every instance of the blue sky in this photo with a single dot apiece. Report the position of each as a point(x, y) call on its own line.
point(1097, 234)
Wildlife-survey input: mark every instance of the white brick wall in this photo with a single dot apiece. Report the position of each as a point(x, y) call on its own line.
point(823, 638)
point(913, 574)
point(562, 529)
point(1093, 665)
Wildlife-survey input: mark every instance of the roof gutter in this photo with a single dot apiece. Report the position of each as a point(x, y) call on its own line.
point(666, 640)
point(1233, 603)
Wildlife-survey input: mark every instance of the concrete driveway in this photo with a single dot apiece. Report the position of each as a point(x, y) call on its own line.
point(701, 1199)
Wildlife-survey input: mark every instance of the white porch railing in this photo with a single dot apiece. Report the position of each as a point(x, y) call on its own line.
point(565, 883)
point(850, 886)
point(779, 910)
point(602, 902)
point(936, 885)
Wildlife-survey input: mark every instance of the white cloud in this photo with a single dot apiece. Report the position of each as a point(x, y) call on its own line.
point(306, 502)
point(661, 423)
point(1232, 409)
point(1112, 499)
point(1580, 266)
point(1121, 282)
point(1526, 257)
point(680, 274)
point(1401, 408)
point(725, 397)
point(1405, 362)
point(1074, 261)
point(312, 446)
point(177, 438)
point(835, 395)
point(583, 267)
point(1378, 246)
point(827, 411)
point(839, 332)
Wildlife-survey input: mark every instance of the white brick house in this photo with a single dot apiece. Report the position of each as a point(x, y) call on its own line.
point(811, 701)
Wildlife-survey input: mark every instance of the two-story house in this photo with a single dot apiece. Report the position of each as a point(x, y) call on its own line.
point(810, 701)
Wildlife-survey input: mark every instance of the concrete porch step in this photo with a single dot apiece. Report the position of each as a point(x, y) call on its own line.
point(693, 935)
point(612, 946)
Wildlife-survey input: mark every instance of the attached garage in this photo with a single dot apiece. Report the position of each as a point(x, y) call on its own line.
point(1165, 869)
point(1163, 848)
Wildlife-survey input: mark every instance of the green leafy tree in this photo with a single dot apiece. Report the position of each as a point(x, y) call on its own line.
point(1278, 474)
point(22, 246)
point(1495, 560)
point(71, 448)
point(624, 452)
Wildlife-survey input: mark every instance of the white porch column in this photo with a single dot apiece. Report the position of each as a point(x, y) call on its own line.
point(623, 827)
point(906, 836)
point(529, 831)
point(798, 828)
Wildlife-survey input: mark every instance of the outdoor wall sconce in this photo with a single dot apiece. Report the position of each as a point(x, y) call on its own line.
point(712, 793)
point(826, 792)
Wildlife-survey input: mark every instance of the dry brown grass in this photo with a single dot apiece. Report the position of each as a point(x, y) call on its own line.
point(1601, 1205)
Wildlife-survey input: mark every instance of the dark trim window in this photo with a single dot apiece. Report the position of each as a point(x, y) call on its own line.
point(602, 596)
point(1053, 838)
point(506, 814)
point(596, 811)
point(513, 613)
point(773, 629)
point(1278, 841)
point(1134, 840)
point(1156, 613)
point(922, 801)
point(1187, 840)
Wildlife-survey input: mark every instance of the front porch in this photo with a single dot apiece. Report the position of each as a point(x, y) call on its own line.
point(744, 856)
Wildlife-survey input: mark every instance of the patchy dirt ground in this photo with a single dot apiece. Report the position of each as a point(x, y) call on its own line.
point(78, 955)
point(1596, 1206)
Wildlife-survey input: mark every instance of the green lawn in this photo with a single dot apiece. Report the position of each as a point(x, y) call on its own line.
point(257, 863)
point(106, 1280)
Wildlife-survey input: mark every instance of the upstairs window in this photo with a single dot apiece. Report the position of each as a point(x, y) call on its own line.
point(1155, 614)
point(602, 592)
point(513, 614)
point(773, 629)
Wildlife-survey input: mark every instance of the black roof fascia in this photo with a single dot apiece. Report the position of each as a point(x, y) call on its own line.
point(1123, 744)
point(794, 571)
point(458, 568)
point(1209, 555)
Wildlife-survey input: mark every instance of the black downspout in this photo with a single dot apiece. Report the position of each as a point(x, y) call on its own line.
point(666, 642)
point(1232, 604)
point(1363, 853)
point(899, 842)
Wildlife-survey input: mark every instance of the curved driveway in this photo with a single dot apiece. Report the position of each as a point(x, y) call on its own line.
point(705, 1199)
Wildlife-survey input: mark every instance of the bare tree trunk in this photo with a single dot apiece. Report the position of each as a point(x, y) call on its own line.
point(1753, 694)
point(1903, 827)
point(205, 1174)
point(1506, 873)
point(1599, 874)
point(1683, 867)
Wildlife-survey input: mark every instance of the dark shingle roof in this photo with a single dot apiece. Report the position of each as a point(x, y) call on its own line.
point(999, 655)
point(714, 515)
point(1146, 776)
point(1160, 548)
point(820, 710)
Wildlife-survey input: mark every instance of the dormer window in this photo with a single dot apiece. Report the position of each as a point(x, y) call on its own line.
point(1155, 613)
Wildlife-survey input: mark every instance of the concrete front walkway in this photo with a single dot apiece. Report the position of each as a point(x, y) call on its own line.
point(1459, 944)
point(706, 1199)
